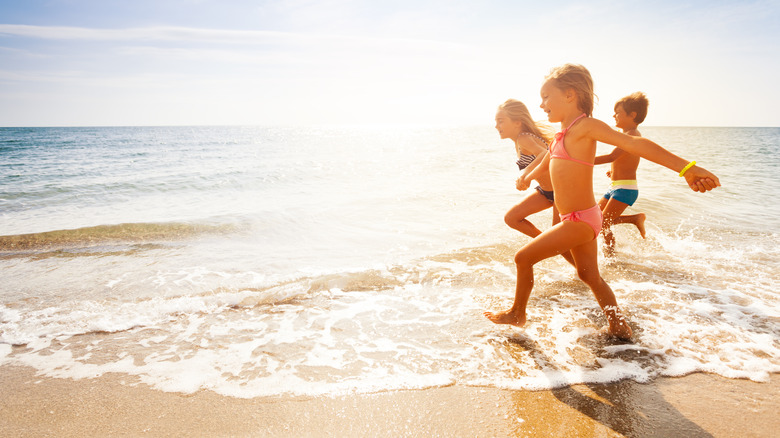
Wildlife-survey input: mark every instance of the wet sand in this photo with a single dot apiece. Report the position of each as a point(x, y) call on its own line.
point(698, 405)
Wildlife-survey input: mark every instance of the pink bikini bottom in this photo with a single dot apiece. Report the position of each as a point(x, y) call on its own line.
point(591, 216)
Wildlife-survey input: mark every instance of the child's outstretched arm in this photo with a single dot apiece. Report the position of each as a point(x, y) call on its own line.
point(610, 157)
point(698, 178)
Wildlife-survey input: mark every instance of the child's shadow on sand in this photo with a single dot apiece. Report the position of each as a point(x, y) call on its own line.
point(627, 407)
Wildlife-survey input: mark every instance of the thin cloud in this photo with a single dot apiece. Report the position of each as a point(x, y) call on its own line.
point(195, 35)
point(214, 55)
point(163, 33)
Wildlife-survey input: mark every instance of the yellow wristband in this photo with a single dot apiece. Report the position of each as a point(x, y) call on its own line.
point(685, 169)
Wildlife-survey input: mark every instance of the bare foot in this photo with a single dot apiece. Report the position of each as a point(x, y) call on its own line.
point(507, 317)
point(623, 333)
point(640, 223)
point(618, 327)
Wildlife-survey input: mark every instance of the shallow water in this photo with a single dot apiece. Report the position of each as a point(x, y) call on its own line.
point(263, 261)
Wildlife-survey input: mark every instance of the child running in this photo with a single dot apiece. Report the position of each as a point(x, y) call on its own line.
point(513, 121)
point(630, 111)
point(567, 98)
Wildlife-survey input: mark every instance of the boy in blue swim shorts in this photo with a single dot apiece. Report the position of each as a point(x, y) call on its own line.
point(630, 111)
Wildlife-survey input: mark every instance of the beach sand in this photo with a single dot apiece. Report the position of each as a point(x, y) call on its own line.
point(692, 406)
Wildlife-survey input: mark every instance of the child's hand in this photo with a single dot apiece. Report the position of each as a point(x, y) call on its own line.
point(609, 174)
point(700, 179)
point(522, 184)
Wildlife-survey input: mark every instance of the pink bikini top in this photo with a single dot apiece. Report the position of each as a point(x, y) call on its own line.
point(558, 149)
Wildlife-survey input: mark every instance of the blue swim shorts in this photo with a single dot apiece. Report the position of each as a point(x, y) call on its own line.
point(626, 196)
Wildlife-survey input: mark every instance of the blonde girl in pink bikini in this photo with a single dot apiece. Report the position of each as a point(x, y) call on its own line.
point(567, 98)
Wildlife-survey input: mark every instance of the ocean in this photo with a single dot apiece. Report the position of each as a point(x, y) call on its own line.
point(319, 261)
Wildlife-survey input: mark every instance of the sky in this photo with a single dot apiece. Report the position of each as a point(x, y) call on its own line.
point(352, 62)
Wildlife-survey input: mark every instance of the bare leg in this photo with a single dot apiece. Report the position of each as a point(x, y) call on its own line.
point(554, 241)
point(611, 210)
point(516, 216)
point(533, 203)
point(556, 219)
point(586, 256)
point(637, 219)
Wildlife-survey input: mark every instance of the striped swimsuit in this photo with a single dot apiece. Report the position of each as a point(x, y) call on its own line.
point(526, 159)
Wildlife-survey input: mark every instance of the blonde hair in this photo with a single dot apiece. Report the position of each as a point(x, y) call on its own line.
point(577, 78)
point(518, 112)
point(635, 103)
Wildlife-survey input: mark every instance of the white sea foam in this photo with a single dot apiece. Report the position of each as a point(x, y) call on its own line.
point(420, 330)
